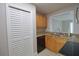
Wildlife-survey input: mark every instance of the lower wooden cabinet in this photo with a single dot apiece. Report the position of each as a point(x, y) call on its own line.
point(50, 43)
point(54, 43)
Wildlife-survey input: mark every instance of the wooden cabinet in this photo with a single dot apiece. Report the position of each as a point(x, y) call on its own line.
point(41, 21)
point(50, 43)
point(54, 43)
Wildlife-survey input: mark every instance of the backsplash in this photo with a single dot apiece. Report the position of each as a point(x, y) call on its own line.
point(41, 30)
point(72, 37)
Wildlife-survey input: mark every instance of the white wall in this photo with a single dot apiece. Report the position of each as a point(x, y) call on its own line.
point(3, 31)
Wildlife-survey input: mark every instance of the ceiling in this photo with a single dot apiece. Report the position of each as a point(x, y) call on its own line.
point(46, 8)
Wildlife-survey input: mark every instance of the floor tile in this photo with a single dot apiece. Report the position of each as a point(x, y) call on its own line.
point(47, 52)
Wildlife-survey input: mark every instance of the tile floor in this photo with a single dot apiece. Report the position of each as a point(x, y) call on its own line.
point(47, 52)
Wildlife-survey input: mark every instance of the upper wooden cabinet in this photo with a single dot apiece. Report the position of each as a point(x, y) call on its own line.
point(41, 21)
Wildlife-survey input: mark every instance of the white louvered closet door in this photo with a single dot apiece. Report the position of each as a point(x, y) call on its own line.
point(19, 32)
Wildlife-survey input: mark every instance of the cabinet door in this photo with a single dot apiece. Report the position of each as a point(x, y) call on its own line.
point(51, 43)
point(41, 21)
point(59, 46)
point(44, 21)
point(55, 43)
point(37, 21)
point(47, 41)
point(61, 42)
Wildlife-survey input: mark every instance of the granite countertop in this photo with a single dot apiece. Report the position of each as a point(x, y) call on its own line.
point(40, 34)
point(50, 33)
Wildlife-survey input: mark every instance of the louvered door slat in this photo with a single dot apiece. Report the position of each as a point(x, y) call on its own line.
point(19, 31)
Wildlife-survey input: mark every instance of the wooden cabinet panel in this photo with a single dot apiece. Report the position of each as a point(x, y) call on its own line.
point(50, 43)
point(41, 21)
point(61, 42)
point(45, 21)
point(37, 21)
point(54, 43)
point(47, 41)
point(59, 46)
